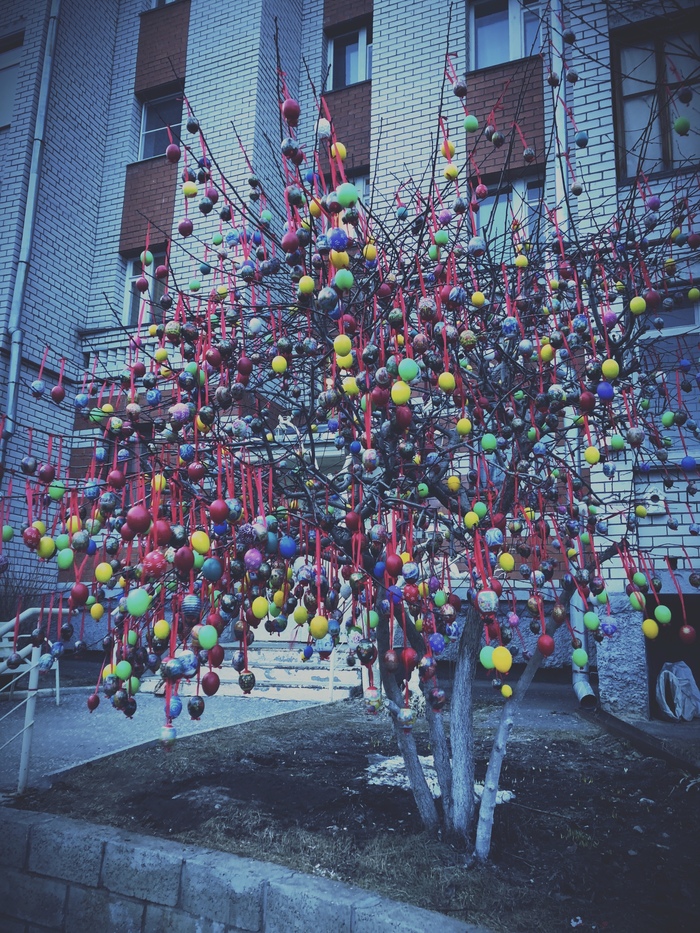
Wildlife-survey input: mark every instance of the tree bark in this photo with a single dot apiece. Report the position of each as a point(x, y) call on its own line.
point(484, 828)
point(443, 765)
point(406, 740)
point(462, 726)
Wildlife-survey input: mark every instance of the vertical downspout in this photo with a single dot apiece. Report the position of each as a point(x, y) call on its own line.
point(14, 325)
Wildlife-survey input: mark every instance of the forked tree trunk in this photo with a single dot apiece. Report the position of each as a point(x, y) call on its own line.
point(484, 828)
point(462, 727)
point(406, 740)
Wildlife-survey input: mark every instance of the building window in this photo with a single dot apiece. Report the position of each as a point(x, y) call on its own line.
point(350, 58)
point(10, 55)
point(134, 296)
point(361, 182)
point(503, 31)
point(514, 213)
point(159, 3)
point(658, 84)
point(158, 116)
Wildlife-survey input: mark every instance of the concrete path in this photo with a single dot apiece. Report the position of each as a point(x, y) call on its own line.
point(69, 735)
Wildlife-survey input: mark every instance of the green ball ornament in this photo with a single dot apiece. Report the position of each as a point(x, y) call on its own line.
point(132, 638)
point(602, 598)
point(123, 670)
point(57, 490)
point(481, 509)
point(489, 443)
point(422, 490)
point(639, 579)
point(217, 239)
point(617, 442)
point(344, 279)
point(207, 637)
point(198, 560)
point(486, 657)
point(662, 614)
point(138, 602)
point(591, 621)
point(667, 419)
point(373, 618)
point(408, 370)
point(65, 558)
point(471, 124)
point(8, 533)
point(347, 194)
point(579, 658)
point(681, 126)
point(433, 252)
point(442, 237)
point(637, 601)
point(62, 541)
point(134, 685)
point(440, 598)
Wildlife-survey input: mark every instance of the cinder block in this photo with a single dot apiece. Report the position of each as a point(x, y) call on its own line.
point(301, 903)
point(91, 909)
point(171, 920)
point(66, 849)
point(225, 888)
point(143, 868)
point(15, 827)
point(24, 899)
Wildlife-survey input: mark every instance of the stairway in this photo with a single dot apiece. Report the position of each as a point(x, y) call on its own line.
point(280, 674)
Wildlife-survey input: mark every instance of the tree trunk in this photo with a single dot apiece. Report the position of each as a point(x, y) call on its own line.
point(443, 766)
point(484, 827)
point(406, 740)
point(462, 726)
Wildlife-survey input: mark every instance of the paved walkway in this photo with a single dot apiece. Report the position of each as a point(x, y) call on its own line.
point(69, 735)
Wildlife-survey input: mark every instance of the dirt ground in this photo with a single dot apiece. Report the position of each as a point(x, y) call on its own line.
point(598, 837)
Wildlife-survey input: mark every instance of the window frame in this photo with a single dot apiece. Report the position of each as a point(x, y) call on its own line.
point(656, 32)
point(156, 288)
point(517, 197)
point(12, 43)
point(517, 10)
point(364, 55)
point(175, 128)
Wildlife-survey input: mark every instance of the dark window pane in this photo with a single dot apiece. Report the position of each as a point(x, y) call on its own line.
point(642, 139)
point(491, 35)
point(346, 60)
point(162, 113)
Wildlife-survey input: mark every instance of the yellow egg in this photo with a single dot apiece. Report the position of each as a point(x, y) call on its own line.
point(453, 483)
point(73, 524)
point(400, 392)
point(306, 285)
point(46, 547)
point(448, 148)
point(339, 151)
point(471, 519)
point(160, 355)
point(279, 365)
point(318, 627)
point(189, 189)
point(507, 691)
point(611, 369)
point(478, 299)
point(638, 305)
point(547, 353)
point(342, 344)
point(650, 628)
point(446, 381)
point(301, 614)
point(39, 526)
point(522, 262)
point(278, 598)
point(97, 610)
point(260, 607)
point(450, 173)
point(640, 511)
point(464, 426)
point(506, 562)
point(339, 259)
point(161, 629)
point(159, 482)
point(502, 659)
point(350, 386)
point(103, 572)
point(345, 362)
point(591, 455)
point(370, 252)
point(107, 670)
point(315, 208)
point(200, 541)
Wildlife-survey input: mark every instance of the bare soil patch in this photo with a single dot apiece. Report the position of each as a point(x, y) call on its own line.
point(597, 833)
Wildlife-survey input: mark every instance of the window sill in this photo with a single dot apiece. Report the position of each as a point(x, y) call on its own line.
point(159, 9)
point(338, 90)
point(661, 175)
point(149, 159)
point(501, 65)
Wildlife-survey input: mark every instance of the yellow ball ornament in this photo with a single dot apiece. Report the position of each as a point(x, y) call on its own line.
point(260, 607)
point(318, 627)
point(448, 148)
point(97, 610)
point(638, 305)
point(478, 299)
point(200, 541)
point(46, 548)
point(338, 151)
point(471, 520)
point(446, 381)
point(350, 386)
point(547, 353)
point(279, 365)
point(506, 691)
point(400, 392)
point(301, 614)
point(650, 628)
point(506, 562)
point(339, 259)
point(591, 455)
point(342, 344)
point(103, 572)
point(306, 285)
point(610, 369)
point(453, 483)
point(161, 629)
point(450, 173)
point(502, 659)
point(464, 427)
point(370, 252)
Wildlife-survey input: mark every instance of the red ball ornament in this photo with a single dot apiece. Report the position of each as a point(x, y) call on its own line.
point(116, 479)
point(79, 594)
point(215, 619)
point(155, 564)
point(587, 401)
point(244, 366)
point(139, 518)
point(139, 370)
point(687, 634)
point(172, 153)
point(290, 242)
point(93, 701)
point(391, 661)
point(394, 565)
point(291, 111)
point(410, 659)
point(215, 656)
point(403, 416)
point(219, 511)
point(162, 532)
point(213, 357)
point(545, 645)
point(127, 532)
point(411, 593)
point(210, 683)
point(46, 473)
point(380, 397)
point(185, 227)
point(196, 471)
point(184, 559)
point(58, 393)
point(353, 521)
point(31, 537)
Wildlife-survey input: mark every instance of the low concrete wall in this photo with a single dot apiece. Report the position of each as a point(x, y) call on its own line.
point(58, 874)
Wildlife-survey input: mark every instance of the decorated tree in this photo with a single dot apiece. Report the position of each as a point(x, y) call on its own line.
point(412, 429)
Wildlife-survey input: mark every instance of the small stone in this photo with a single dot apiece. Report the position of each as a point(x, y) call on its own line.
point(638, 829)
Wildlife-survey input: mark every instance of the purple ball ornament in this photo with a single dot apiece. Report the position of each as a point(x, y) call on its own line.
point(252, 559)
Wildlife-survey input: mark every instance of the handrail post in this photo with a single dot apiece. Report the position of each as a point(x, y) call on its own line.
point(29, 720)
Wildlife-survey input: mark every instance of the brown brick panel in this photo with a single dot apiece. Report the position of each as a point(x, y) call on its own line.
point(149, 195)
point(341, 13)
point(351, 112)
point(162, 53)
point(518, 87)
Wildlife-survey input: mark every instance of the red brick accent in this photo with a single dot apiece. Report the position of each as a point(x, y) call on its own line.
point(149, 195)
point(514, 92)
point(351, 111)
point(341, 13)
point(162, 53)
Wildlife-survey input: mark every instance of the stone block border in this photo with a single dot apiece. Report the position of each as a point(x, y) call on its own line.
point(64, 875)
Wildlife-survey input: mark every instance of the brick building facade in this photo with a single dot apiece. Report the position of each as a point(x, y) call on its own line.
point(116, 64)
